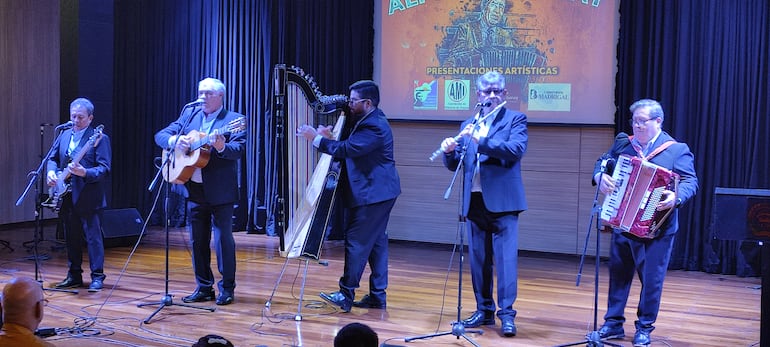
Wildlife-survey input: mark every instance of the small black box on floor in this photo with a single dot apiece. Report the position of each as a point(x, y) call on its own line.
point(121, 227)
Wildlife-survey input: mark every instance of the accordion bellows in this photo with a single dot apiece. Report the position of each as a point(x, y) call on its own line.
point(639, 185)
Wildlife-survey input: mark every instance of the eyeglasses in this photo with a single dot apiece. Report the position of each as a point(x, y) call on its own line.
point(44, 301)
point(355, 101)
point(489, 91)
point(639, 122)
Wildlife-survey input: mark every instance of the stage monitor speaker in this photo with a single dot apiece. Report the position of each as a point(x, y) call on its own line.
point(121, 227)
point(741, 214)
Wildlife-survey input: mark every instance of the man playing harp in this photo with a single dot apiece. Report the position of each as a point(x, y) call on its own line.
point(369, 185)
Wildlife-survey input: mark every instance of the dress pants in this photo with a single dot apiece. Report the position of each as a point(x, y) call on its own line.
point(78, 225)
point(649, 260)
point(493, 244)
point(205, 220)
point(366, 240)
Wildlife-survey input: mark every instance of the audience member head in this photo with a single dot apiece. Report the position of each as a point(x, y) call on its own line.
point(212, 340)
point(356, 335)
point(23, 303)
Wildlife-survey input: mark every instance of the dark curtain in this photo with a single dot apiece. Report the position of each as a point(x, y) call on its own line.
point(707, 63)
point(164, 48)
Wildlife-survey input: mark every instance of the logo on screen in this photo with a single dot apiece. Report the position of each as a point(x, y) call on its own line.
point(425, 95)
point(549, 97)
point(457, 94)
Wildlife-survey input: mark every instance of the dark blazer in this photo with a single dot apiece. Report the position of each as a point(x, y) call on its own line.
point(88, 193)
point(500, 154)
point(369, 162)
point(220, 175)
point(677, 158)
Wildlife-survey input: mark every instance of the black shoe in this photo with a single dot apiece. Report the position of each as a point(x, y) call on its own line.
point(69, 282)
point(611, 332)
point(199, 295)
point(479, 318)
point(508, 327)
point(369, 302)
point(96, 285)
point(641, 339)
point(225, 298)
point(338, 299)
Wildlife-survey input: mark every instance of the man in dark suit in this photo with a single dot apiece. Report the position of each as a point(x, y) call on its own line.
point(81, 209)
point(369, 185)
point(493, 143)
point(630, 254)
point(213, 189)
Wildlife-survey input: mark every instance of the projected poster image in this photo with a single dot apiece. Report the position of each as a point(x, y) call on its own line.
point(558, 57)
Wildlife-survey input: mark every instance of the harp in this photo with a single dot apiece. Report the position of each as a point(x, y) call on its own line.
point(306, 180)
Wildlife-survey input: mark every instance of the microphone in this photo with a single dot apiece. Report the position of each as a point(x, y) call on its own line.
point(606, 161)
point(484, 104)
point(64, 126)
point(194, 103)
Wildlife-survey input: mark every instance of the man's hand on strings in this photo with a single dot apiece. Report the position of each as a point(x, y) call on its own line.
point(77, 169)
point(183, 143)
point(217, 141)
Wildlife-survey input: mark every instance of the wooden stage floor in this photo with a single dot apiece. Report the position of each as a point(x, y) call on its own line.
point(698, 309)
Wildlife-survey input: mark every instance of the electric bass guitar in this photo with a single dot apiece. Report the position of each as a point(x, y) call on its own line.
point(56, 193)
point(180, 165)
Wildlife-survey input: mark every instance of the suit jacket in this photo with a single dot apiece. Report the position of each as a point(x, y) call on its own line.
point(499, 156)
point(220, 175)
point(369, 164)
point(88, 193)
point(676, 157)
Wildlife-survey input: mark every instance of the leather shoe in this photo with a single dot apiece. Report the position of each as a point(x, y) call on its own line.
point(611, 332)
point(479, 318)
point(225, 299)
point(199, 295)
point(508, 327)
point(96, 285)
point(69, 282)
point(338, 299)
point(369, 302)
point(641, 339)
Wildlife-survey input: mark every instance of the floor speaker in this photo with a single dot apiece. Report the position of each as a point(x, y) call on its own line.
point(121, 227)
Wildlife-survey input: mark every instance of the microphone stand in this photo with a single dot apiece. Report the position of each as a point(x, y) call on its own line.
point(593, 339)
point(167, 299)
point(458, 327)
point(37, 234)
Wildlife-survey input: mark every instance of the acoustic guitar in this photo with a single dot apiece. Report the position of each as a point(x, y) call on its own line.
point(180, 166)
point(56, 193)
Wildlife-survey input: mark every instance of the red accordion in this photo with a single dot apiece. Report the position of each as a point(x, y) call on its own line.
point(639, 186)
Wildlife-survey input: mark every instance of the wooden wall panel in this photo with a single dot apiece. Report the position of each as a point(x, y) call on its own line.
point(29, 69)
point(557, 177)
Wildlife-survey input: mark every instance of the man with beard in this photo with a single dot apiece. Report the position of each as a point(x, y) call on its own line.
point(369, 185)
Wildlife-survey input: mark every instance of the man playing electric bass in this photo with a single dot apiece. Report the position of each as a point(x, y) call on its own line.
point(83, 202)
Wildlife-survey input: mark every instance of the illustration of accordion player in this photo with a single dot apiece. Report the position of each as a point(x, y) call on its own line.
point(642, 182)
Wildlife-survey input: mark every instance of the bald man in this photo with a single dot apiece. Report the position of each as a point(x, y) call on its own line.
point(22, 308)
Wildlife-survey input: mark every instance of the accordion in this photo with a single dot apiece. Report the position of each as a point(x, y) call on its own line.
point(639, 186)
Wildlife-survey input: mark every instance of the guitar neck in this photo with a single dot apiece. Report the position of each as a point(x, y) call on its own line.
point(205, 139)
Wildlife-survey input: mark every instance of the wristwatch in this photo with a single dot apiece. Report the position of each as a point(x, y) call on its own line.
point(678, 202)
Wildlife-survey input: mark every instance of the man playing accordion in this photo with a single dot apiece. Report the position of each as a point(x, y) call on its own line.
point(648, 257)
